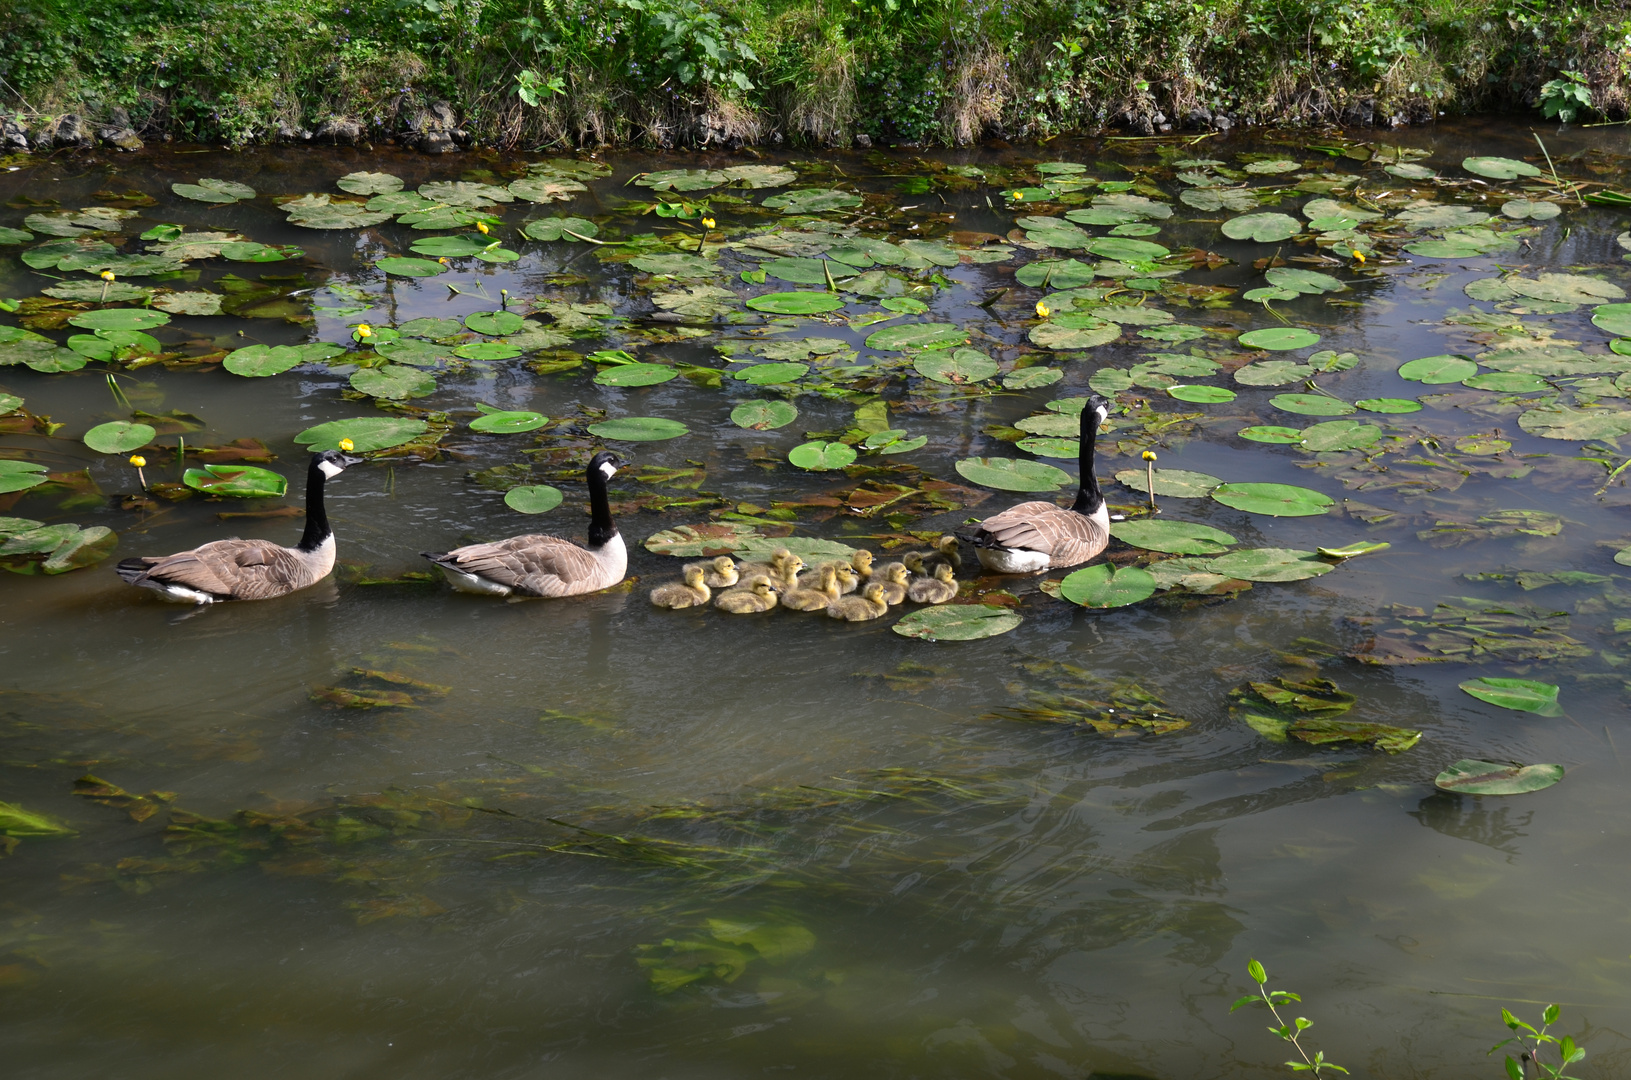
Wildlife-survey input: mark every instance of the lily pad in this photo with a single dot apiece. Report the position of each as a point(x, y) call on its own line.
point(773, 374)
point(214, 191)
point(367, 433)
point(958, 368)
point(394, 382)
point(1273, 373)
point(256, 361)
point(764, 415)
point(1105, 586)
point(487, 350)
point(237, 481)
point(509, 422)
point(678, 265)
point(822, 456)
point(1389, 405)
point(1311, 404)
point(1562, 422)
point(1172, 537)
point(1269, 433)
point(1499, 168)
point(1031, 377)
point(796, 303)
point(119, 437)
point(1264, 228)
point(407, 267)
point(957, 622)
point(1202, 395)
point(1012, 474)
point(1522, 695)
point(1174, 483)
point(1279, 338)
point(1340, 435)
point(119, 319)
point(917, 336)
point(1273, 500)
point(1074, 332)
point(494, 323)
point(1271, 564)
point(1472, 777)
point(532, 499)
point(726, 537)
point(1530, 210)
point(570, 229)
point(1303, 281)
point(189, 303)
point(812, 201)
point(20, 475)
point(369, 183)
point(639, 429)
point(635, 375)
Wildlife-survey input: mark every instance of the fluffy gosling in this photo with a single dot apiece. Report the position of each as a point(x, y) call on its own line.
point(692, 592)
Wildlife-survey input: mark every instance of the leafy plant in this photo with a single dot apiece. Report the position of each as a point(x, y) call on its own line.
point(530, 86)
point(1565, 97)
point(1292, 1032)
point(1532, 1043)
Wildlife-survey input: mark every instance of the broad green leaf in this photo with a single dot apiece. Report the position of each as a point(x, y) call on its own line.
point(1268, 433)
point(1311, 404)
point(86, 547)
point(120, 319)
point(1264, 228)
point(1340, 435)
point(957, 367)
point(450, 247)
point(570, 229)
point(1562, 422)
point(1303, 281)
point(773, 374)
point(635, 375)
point(1273, 500)
point(1055, 274)
point(20, 475)
point(1499, 168)
point(20, 823)
point(494, 323)
point(1012, 474)
point(639, 429)
point(394, 382)
point(189, 303)
point(367, 433)
point(812, 201)
point(369, 183)
point(406, 267)
point(532, 499)
point(1065, 449)
point(1273, 373)
point(487, 350)
point(1279, 338)
point(917, 336)
point(1565, 288)
point(1471, 777)
point(796, 303)
point(509, 422)
point(1172, 537)
point(237, 481)
point(726, 537)
point(957, 622)
point(119, 437)
point(1031, 378)
point(822, 456)
point(1104, 586)
point(1203, 395)
point(1389, 405)
point(1074, 332)
point(1529, 210)
point(1174, 483)
point(1271, 564)
point(675, 265)
point(1522, 695)
point(764, 415)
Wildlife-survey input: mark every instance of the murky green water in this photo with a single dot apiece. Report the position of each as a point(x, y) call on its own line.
point(875, 865)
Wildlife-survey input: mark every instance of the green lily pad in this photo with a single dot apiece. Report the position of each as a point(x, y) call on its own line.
point(917, 336)
point(812, 201)
point(509, 422)
point(189, 303)
point(796, 303)
point(1012, 474)
point(1126, 249)
point(1269, 433)
point(1340, 435)
point(1511, 382)
point(773, 374)
point(1499, 168)
point(1202, 395)
point(1210, 200)
point(1442, 216)
point(1482, 445)
point(1271, 564)
point(532, 499)
point(1104, 586)
point(85, 547)
point(1174, 483)
point(119, 437)
point(1279, 338)
point(369, 183)
point(394, 382)
point(406, 267)
point(487, 350)
point(237, 481)
point(635, 375)
point(960, 367)
point(1273, 500)
point(20, 475)
point(119, 319)
point(1264, 228)
point(1565, 288)
point(117, 292)
point(546, 188)
point(1064, 449)
point(1389, 405)
point(1522, 695)
point(367, 433)
point(570, 229)
point(214, 191)
point(494, 323)
point(822, 456)
point(1303, 281)
point(639, 429)
point(1354, 550)
point(1311, 404)
point(1562, 422)
point(1031, 377)
point(449, 247)
point(9, 403)
point(764, 415)
point(1471, 777)
point(906, 305)
point(1055, 274)
point(957, 622)
point(760, 176)
point(257, 361)
point(1074, 332)
point(1273, 373)
point(1172, 537)
point(1530, 210)
point(675, 265)
point(805, 271)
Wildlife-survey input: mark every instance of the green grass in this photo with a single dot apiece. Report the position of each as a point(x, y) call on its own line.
point(813, 71)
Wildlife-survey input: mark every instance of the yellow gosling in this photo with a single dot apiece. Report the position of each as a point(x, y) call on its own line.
point(933, 590)
point(869, 605)
point(692, 592)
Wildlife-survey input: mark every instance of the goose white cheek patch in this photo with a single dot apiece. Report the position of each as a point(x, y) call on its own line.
point(607, 469)
point(330, 469)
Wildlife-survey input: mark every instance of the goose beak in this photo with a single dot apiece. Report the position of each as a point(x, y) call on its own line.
point(349, 460)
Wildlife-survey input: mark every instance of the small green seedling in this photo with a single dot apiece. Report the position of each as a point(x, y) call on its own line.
point(1289, 1032)
point(1531, 1042)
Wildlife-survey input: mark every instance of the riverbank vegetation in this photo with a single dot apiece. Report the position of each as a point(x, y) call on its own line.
point(530, 73)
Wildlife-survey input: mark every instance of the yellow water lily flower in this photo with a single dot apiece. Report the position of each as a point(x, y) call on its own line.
point(481, 227)
point(443, 260)
point(1359, 256)
point(107, 275)
point(707, 223)
point(1042, 310)
point(1149, 455)
point(137, 460)
point(364, 330)
point(347, 445)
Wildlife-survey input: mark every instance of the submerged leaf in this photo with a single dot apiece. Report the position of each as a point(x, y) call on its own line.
point(1472, 777)
point(1523, 695)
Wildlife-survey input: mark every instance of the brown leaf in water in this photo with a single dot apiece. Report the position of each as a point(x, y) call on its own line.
point(393, 907)
point(139, 807)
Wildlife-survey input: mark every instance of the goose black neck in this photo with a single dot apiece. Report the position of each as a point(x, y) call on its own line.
point(1088, 496)
point(601, 528)
point(317, 529)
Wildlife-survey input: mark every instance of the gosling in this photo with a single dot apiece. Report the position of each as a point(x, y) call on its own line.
point(787, 578)
point(893, 582)
point(947, 551)
point(817, 598)
point(692, 592)
point(934, 590)
point(778, 560)
point(861, 563)
point(761, 597)
point(869, 605)
point(718, 573)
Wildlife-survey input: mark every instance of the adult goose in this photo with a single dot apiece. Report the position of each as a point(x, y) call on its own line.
point(1035, 536)
point(540, 565)
point(249, 569)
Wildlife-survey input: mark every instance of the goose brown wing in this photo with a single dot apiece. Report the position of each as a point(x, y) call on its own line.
point(1066, 537)
point(535, 564)
point(235, 569)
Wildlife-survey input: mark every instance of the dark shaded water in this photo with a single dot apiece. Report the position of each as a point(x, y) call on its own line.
point(882, 873)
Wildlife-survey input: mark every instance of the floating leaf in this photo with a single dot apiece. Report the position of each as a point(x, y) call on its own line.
point(1273, 373)
point(119, 319)
point(1105, 586)
point(367, 433)
point(406, 267)
point(1203, 395)
point(237, 481)
point(812, 201)
point(635, 375)
point(1264, 228)
point(639, 429)
point(1526, 209)
point(1340, 435)
point(773, 374)
point(1311, 404)
point(1176, 483)
point(958, 368)
point(532, 499)
point(1274, 500)
point(1389, 405)
point(1271, 564)
point(720, 538)
point(1303, 281)
point(1280, 338)
point(957, 622)
point(1471, 777)
point(86, 547)
point(1172, 537)
point(20, 475)
point(1354, 550)
point(494, 323)
point(189, 303)
point(509, 422)
point(119, 437)
point(796, 303)
point(214, 191)
point(1522, 695)
point(487, 350)
point(1074, 332)
point(394, 382)
point(256, 361)
point(1562, 422)
point(917, 336)
point(1269, 433)
point(764, 415)
point(822, 456)
point(1012, 474)
point(1499, 168)
point(1031, 378)
point(570, 229)
point(369, 183)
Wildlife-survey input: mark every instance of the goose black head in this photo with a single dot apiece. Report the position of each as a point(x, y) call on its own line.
point(335, 462)
point(1100, 406)
point(606, 464)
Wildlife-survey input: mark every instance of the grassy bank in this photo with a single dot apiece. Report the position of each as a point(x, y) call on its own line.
point(678, 72)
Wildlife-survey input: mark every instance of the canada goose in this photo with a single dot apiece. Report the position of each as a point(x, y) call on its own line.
point(541, 565)
point(807, 598)
point(720, 573)
point(934, 590)
point(869, 605)
point(761, 597)
point(692, 592)
point(1035, 536)
point(894, 582)
point(248, 569)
